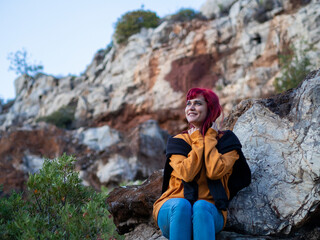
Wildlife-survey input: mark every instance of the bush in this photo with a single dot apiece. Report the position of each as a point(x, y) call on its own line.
point(62, 118)
point(186, 14)
point(56, 206)
point(132, 22)
point(294, 65)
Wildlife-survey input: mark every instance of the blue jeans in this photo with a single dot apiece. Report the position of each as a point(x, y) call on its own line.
point(178, 219)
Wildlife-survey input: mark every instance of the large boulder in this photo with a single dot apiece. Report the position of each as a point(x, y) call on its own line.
point(282, 148)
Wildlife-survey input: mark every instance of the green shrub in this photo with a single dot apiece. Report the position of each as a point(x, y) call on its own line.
point(294, 66)
point(132, 22)
point(186, 14)
point(56, 206)
point(62, 118)
point(9, 208)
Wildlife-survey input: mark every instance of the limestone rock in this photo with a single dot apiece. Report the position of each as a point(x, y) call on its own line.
point(214, 8)
point(143, 232)
point(99, 138)
point(283, 153)
point(31, 163)
point(20, 83)
point(135, 155)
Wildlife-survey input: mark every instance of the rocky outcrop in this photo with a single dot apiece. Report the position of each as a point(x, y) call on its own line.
point(280, 138)
point(235, 54)
point(105, 156)
point(23, 150)
point(216, 8)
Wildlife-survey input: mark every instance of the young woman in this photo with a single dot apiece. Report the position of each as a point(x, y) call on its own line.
point(195, 192)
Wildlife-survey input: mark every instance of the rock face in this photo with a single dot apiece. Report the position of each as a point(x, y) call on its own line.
point(23, 150)
point(216, 8)
point(280, 138)
point(125, 156)
point(235, 54)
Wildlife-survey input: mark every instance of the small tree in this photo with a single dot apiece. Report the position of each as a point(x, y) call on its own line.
point(132, 22)
point(20, 64)
point(56, 206)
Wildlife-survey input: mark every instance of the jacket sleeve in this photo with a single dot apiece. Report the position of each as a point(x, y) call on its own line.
point(217, 165)
point(186, 168)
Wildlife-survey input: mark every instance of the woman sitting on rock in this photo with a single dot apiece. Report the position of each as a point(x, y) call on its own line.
point(195, 190)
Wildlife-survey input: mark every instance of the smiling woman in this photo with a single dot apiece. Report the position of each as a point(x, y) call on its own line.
point(196, 111)
point(212, 108)
point(195, 191)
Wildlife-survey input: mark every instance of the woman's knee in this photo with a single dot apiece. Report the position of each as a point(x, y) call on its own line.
point(175, 216)
point(176, 207)
point(181, 204)
point(206, 210)
point(202, 205)
point(180, 211)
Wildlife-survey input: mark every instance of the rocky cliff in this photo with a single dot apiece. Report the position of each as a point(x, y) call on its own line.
point(235, 54)
point(130, 98)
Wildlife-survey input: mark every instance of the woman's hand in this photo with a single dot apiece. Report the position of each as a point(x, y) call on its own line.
point(215, 127)
point(192, 130)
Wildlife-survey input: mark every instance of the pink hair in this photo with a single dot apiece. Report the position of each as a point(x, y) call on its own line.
point(214, 107)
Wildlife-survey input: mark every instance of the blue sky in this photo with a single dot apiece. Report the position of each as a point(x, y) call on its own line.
point(64, 35)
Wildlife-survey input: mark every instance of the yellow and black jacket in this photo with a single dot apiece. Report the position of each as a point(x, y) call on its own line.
point(199, 167)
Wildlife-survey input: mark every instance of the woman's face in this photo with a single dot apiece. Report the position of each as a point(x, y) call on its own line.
point(196, 111)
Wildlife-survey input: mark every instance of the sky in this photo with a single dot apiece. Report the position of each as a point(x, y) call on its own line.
point(64, 35)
